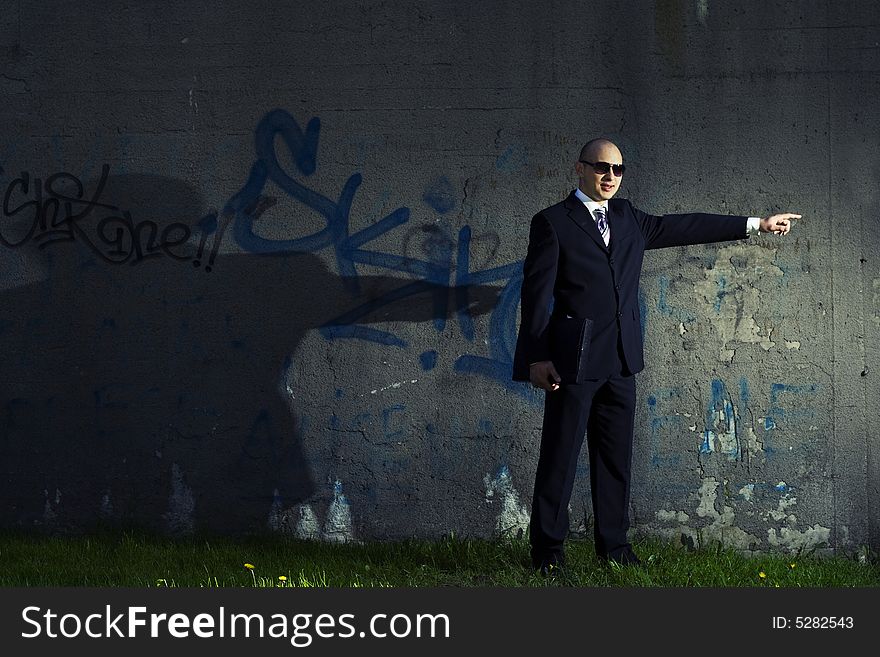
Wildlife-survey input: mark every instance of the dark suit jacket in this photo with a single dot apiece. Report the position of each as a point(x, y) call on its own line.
point(569, 266)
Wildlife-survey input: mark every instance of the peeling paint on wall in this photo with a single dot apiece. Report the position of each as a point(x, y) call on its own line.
point(513, 516)
point(724, 434)
point(721, 527)
point(703, 11)
point(723, 420)
point(672, 516)
point(753, 444)
point(795, 540)
point(728, 297)
point(306, 526)
point(781, 511)
point(337, 528)
point(301, 522)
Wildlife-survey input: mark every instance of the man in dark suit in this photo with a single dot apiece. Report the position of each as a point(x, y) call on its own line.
point(584, 258)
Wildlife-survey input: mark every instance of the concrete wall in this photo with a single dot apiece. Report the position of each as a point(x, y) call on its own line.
point(228, 234)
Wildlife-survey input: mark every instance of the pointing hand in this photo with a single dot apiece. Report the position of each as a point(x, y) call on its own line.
point(779, 224)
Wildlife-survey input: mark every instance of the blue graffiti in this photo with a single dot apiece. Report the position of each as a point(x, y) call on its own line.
point(744, 392)
point(513, 158)
point(428, 360)
point(776, 413)
point(661, 422)
point(433, 275)
point(391, 434)
point(722, 292)
point(502, 330)
point(381, 428)
point(721, 418)
point(721, 406)
point(440, 196)
point(664, 307)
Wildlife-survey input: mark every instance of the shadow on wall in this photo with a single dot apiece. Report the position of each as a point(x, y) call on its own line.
point(152, 394)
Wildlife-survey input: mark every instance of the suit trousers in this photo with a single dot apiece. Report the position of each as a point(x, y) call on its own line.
point(604, 409)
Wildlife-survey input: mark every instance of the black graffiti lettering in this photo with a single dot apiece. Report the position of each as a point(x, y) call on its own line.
point(57, 209)
point(21, 181)
point(152, 248)
point(227, 217)
point(69, 201)
point(166, 243)
point(206, 226)
point(121, 239)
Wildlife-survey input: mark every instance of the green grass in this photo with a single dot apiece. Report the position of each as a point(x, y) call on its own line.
point(139, 560)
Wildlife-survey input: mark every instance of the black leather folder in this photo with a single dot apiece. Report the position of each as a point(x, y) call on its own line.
point(570, 346)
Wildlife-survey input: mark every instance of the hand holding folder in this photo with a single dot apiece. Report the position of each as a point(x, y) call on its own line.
point(570, 346)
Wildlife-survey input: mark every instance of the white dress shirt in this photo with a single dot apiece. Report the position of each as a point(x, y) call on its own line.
point(591, 208)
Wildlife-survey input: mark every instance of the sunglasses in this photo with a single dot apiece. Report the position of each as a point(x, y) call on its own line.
point(604, 167)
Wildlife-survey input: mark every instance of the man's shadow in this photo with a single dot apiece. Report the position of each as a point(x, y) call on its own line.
point(152, 394)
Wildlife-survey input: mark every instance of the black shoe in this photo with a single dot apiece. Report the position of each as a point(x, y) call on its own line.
point(550, 566)
point(552, 569)
point(624, 558)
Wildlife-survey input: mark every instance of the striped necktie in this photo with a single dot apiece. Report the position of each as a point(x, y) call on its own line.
point(602, 224)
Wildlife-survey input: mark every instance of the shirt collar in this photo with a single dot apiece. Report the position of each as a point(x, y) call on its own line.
point(590, 203)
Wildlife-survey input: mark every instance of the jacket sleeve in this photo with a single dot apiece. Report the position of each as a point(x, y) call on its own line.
point(539, 280)
point(692, 228)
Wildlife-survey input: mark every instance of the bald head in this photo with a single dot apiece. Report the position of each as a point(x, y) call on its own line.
point(599, 148)
point(598, 186)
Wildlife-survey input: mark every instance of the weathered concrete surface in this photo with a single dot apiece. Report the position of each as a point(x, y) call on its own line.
point(322, 157)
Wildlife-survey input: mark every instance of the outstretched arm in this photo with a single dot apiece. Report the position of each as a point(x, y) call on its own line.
point(702, 228)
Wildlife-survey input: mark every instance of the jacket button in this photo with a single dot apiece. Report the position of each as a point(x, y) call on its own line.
point(617, 287)
point(618, 313)
point(611, 261)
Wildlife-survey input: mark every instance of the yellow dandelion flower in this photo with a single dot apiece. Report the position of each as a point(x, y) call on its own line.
point(249, 566)
point(762, 575)
point(283, 578)
point(792, 565)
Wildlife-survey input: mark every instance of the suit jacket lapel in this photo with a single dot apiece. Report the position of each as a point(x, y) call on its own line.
point(616, 222)
point(579, 214)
